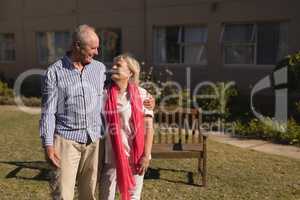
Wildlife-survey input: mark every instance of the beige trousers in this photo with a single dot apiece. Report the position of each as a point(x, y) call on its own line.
point(76, 161)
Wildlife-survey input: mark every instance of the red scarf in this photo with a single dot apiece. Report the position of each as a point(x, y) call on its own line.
point(125, 179)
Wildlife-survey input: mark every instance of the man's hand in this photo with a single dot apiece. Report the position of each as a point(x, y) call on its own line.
point(149, 103)
point(145, 161)
point(52, 156)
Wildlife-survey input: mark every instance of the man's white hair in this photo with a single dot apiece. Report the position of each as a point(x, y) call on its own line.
point(82, 34)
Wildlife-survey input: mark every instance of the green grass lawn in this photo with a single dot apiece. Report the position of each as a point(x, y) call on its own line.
point(233, 173)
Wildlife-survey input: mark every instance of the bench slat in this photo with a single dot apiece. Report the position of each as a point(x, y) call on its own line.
point(187, 140)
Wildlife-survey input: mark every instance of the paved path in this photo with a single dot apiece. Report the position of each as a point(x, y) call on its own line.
point(259, 145)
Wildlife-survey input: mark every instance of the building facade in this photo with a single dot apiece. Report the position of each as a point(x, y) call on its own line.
point(216, 40)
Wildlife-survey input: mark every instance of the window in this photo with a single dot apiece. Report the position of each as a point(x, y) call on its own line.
point(261, 43)
point(180, 44)
point(7, 47)
point(52, 45)
point(110, 44)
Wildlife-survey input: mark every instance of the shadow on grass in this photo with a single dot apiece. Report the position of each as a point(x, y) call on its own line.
point(42, 166)
point(155, 174)
point(44, 172)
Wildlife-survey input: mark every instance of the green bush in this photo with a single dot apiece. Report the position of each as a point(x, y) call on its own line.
point(5, 91)
point(7, 97)
point(293, 132)
point(269, 130)
point(172, 96)
point(163, 89)
point(292, 62)
point(28, 101)
point(4, 100)
point(32, 101)
point(221, 104)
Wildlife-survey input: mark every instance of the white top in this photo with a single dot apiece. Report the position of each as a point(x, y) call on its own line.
point(124, 109)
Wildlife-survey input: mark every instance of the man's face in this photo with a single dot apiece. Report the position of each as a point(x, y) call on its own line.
point(89, 49)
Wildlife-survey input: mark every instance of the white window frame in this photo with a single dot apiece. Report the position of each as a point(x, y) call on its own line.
point(15, 59)
point(181, 46)
point(41, 62)
point(100, 45)
point(255, 64)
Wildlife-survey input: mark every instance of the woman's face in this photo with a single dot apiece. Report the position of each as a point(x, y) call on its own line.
point(120, 70)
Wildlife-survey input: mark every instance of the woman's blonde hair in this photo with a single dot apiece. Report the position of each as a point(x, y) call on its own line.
point(132, 64)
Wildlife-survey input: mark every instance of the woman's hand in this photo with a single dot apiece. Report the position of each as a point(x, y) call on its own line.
point(149, 103)
point(144, 164)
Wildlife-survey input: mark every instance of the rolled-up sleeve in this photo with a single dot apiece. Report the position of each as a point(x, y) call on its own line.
point(144, 96)
point(49, 107)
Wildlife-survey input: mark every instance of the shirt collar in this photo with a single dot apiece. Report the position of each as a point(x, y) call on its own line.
point(69, 64)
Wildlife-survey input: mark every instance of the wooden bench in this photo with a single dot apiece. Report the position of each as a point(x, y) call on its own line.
point(178, 136)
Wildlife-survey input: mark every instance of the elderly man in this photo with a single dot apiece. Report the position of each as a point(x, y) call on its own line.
point(70, 124)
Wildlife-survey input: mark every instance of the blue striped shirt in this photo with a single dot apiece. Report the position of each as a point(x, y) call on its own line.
point(72, 101)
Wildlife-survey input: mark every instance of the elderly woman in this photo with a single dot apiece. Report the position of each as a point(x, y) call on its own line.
point(130, 132)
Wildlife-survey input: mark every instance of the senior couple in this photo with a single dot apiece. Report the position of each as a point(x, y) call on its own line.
point(83, 119)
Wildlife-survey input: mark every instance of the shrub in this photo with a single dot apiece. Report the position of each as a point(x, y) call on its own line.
point(292, 62)
point(277, 132)
point(5, 100)
point(160, 86)
point(32, 101)
point(219, 106)
point(7, 97)
point(5, 91)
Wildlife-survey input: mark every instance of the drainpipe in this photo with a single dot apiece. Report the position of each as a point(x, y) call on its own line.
point(76, 12)
point(145, 33)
